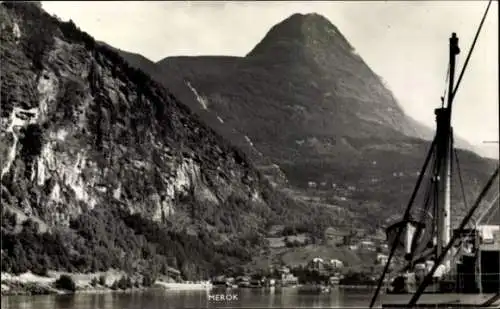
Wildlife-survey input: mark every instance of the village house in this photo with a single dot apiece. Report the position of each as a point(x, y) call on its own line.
point(174, 273)
point(334, 237)
point(283, 270)
point(336, 264)
point(286, 278)
point(383, 248)
point(312, 184)
point(382, 259)
point(321, 265)
point(367, 245)
point(316, 263)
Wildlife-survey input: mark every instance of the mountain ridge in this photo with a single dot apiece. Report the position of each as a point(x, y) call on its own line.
point(427, 132)
point(308, 113)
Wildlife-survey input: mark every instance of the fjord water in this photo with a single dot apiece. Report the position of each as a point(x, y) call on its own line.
point(162, 299)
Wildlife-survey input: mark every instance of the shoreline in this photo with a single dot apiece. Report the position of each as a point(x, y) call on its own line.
point(31, 284)
point(357, 286)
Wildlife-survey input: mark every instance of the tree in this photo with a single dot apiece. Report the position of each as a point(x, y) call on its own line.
point(21, 264)
point(102, 280)
point(65, 282)
point(148, 280)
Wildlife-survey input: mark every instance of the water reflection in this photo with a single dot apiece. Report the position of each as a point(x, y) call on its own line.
point(156, 299)
point(271, 298)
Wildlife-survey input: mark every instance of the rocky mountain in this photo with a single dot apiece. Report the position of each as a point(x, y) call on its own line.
point(314, 117)
point(102, 167)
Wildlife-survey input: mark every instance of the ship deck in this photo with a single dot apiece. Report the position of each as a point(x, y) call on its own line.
point(449, 300)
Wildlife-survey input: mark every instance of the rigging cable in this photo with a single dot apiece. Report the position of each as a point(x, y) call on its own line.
point(454, 155)
point(423, 214)
point(406, 216)
point(490, 301)
point(439, 260)
point(445, 85)
point(425, 211)
point(470, 52)
point(486, 209)
point(462, 187)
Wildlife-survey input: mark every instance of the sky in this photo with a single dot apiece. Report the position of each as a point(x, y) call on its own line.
point(404, 42)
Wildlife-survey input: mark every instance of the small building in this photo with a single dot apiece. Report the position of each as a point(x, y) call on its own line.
point(284, 270)
point(367, 245)
point(488, 232)
point(318, 260)
point(336, 264)
point(289, 279)
point(174, 273)
point(334, 280)
point(382, 259)
point(219, 280)
point(312, 184)
point(286, 277)
point(316, 263)
point(243, 281)
point(335, 237)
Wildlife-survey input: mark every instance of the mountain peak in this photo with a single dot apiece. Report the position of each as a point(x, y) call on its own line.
point(301, 30)
point(311, 18)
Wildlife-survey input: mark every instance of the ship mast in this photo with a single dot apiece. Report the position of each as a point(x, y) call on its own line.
point(444, 150)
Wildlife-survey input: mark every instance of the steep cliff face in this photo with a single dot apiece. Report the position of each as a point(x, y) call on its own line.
point(81, 131)
point(84, 131)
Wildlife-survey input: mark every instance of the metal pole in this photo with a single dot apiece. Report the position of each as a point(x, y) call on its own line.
point(478, 248)
point(454, 51)
point(443, 117)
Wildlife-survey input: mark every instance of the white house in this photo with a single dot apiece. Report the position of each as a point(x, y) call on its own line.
point(336, 263)
point(382, 259)
point(317, 260)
